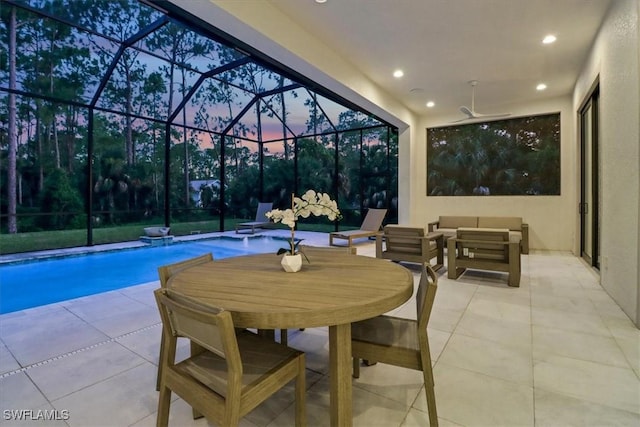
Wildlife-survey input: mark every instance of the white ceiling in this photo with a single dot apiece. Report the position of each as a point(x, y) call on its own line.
point(443, 44)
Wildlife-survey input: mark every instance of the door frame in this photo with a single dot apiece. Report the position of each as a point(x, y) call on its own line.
point(590, 103)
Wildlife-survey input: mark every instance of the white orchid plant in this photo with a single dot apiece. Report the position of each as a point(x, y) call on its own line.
point(311, 203)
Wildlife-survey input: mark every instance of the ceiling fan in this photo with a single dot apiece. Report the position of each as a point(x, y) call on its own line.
point(471, 112)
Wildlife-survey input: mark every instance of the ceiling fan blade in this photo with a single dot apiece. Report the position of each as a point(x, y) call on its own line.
point(462, 120)
point(469, 113)
point(486, 116)
point(477, 116)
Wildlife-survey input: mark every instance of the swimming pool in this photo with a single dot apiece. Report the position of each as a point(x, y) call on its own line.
point(39, 282)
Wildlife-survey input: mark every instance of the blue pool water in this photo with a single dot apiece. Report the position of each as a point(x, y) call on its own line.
point(31, 284)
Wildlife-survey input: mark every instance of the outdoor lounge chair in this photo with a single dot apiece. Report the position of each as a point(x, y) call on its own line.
point(370, 228)
point(261, 220)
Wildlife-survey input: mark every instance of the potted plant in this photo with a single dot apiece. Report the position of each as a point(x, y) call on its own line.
point(311, 203)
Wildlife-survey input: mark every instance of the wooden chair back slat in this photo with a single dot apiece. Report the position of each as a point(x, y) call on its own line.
point(211, 328)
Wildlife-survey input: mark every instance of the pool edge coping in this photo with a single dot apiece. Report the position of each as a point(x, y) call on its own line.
point(130, 244)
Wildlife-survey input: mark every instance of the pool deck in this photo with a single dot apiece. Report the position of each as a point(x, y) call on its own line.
point(311, 238)
point(555, 351)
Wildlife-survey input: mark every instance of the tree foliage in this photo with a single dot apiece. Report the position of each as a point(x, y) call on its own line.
point(105, 90)
point(508, 157)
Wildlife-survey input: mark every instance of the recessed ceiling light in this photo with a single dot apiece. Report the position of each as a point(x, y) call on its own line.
point(541, 86)
point(431, 104)
point(398, 73)
point(549, 39)
point(321, 1)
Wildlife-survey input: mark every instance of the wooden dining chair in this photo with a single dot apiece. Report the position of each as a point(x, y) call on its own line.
point(399, 341)
point(165, 272)
point(230, 372)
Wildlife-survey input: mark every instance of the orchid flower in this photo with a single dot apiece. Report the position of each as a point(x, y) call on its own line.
point(310, 203)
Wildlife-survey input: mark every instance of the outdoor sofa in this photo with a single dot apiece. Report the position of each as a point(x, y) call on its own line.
point(518, 230)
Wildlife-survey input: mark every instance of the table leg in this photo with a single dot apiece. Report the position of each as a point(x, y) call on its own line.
point(340, 375)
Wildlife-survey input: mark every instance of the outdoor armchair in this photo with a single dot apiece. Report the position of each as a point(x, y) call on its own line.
point(483, 249)
point(410, 244)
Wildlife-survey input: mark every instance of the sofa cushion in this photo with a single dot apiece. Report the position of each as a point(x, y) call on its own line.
point(513, 223)
point(457, 221)
point(447, 232)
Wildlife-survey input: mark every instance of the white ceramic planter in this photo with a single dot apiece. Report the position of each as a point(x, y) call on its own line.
point(291, 263)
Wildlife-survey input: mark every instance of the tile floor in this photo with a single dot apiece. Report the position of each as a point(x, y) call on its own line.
point(555, 351)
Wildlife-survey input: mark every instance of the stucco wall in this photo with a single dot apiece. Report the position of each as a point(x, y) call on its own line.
point(551, 219)
point(614, 58)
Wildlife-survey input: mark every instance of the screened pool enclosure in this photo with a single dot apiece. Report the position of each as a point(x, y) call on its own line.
point(121, 114)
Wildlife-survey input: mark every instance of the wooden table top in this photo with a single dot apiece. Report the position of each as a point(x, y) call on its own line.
point(332, 289)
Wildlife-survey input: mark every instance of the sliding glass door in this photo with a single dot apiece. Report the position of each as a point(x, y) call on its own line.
point(589, 206)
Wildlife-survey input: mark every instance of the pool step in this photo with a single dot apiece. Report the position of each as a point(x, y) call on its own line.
point(157, 241)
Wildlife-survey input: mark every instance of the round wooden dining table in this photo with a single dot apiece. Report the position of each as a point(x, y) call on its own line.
point(332, 289)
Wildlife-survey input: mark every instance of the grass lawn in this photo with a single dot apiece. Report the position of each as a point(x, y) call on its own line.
point(43, 240)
